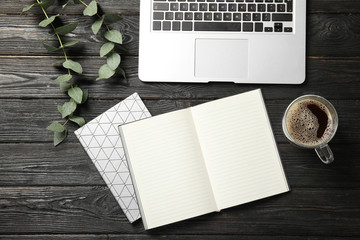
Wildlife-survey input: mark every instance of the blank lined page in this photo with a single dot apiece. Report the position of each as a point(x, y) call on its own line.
point(167, 168)
point(239, 149)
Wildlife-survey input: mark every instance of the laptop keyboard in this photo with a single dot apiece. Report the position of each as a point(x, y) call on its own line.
point(223, 15)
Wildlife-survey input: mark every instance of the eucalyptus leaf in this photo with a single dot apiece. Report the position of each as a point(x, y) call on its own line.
point(50, 48)
point(47, 3)
point(105, 72)
point(64, 86)
point(113, 60)
point(114, 36)
point(68, 28)
point(59, 62)
point(122, 72)
point(48, 37)
point(106, 48)
point(68, 108)
point(63, 78)
point(76, 93)
point(111, 18)
point(47, 21)
point(78, 120)
point(27, 8)
point(75, 66)
point(72, 43)
point(56, 127)
point(59, 137)
point(97, 25)
point(85, 96)
point(91, 9)
point(59, 108)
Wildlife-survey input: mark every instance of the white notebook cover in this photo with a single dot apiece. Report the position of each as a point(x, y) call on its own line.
point(101, 140)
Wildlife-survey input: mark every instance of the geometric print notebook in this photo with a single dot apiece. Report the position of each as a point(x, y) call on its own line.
point(101, 140)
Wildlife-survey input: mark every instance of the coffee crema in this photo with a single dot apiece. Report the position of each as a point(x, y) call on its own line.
point(309, 122)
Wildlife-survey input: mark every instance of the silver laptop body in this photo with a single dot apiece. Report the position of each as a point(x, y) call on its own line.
point(240, 41)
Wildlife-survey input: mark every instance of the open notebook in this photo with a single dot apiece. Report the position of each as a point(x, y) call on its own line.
point(203, 159)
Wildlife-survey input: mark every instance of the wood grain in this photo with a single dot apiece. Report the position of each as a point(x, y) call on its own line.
point(56, 193)
point(162, 236)
point(24, 78)
point(93, 210)
point(330, 35)
point(69, 165)
point(132, 6)
point(33, 116)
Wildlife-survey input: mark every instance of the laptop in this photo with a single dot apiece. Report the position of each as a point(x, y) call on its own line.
point(240, 41)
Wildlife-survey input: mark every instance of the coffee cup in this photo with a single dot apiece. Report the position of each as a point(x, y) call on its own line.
point(310, 122)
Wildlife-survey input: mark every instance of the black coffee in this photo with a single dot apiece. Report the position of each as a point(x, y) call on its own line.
point(309, 122)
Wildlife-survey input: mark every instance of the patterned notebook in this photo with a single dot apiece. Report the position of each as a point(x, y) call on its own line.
point(101, 140)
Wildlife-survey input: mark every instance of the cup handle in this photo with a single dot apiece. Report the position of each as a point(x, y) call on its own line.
point(325, 154)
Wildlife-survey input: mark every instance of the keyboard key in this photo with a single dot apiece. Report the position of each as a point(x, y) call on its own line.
point(158, 16)
point(268, 29)
point(282, 17)
point(169, 16)
point(161, 6)
point(198, 16)
point(256, 17)
point(248, 27)
point(156, 25)
point(271, 7)
point(278, 27)
point(179, 16)
point(288, 29)
point(252, 8)
point(174, 6)
point(289, 5)
point(217, 16)
point(237, 17)
point(261, 7)
point(259, 27)
point(281, 7)
point(188, 16)
point(207, 16)
point(166, 26)
point(217, 26)
point(266, 17)
point(176, 26)
point(183, 6)
point(187, 26)
point(227, 16)
point(246, 16)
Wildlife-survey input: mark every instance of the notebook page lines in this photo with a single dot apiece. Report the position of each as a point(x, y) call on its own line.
point(239, 152)
point(168, 168)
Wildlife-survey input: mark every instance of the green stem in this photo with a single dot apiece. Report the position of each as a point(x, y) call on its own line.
point(96, 15)
point(66, 122)
point(57, 35)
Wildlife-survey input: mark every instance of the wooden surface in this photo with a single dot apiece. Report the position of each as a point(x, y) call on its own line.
point(56, 193)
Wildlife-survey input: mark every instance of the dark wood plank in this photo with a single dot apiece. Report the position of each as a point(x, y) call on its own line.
point(126, 6)
point(23, 36)
point(302, 212)
point(9, 7)
point(32, 78)
point(69, 165)
point(149, 236)
point(33, 116)
point(331, 35)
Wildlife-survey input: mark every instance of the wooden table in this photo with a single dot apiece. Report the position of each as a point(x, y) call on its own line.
point(56, 193)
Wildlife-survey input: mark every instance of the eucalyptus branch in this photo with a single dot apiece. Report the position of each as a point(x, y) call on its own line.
point(76, 94)
point(113, 38)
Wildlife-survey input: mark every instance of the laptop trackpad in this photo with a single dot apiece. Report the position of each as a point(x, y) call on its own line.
point(221, 58)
